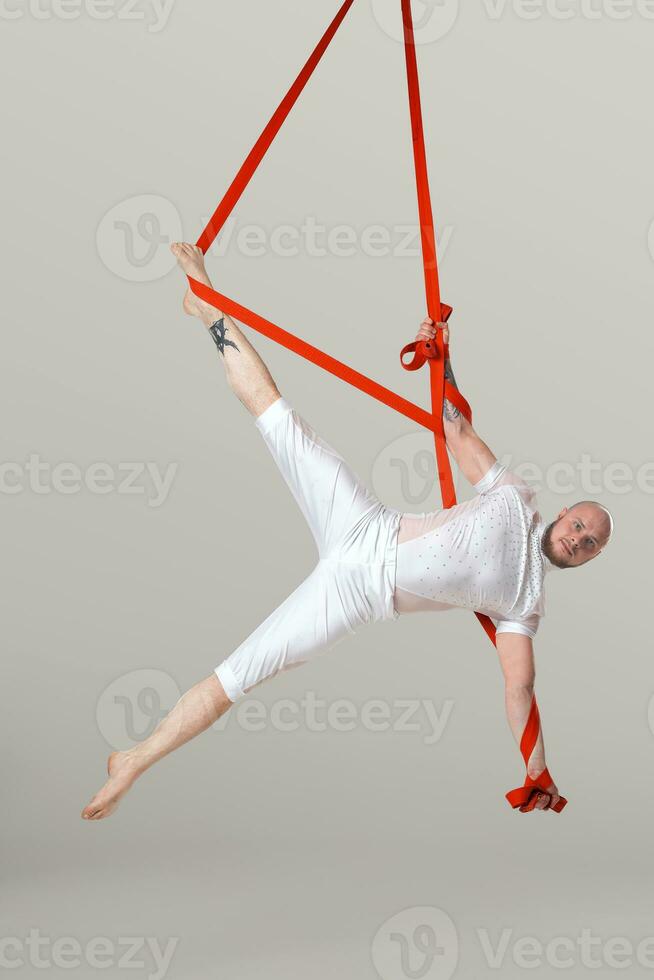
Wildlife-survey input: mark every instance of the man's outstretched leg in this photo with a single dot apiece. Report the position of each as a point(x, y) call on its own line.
point(350, 586)
point(200, 707)
point(196, 711)
point(247, 375)
point(329, 605)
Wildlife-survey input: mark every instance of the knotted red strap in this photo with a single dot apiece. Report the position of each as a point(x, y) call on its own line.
point(525, 797)
point(431, 353)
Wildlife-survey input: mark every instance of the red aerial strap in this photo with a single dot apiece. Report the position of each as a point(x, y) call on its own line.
point(261, 147)
point(525, 797)
point(433, 353)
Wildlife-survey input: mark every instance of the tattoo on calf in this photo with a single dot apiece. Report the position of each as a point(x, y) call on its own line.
point(218, 331)
point(450, 412)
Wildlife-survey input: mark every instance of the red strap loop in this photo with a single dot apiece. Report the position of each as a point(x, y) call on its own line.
point(421, 350)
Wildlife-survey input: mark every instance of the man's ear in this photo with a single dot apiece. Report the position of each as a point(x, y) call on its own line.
point(562, 513)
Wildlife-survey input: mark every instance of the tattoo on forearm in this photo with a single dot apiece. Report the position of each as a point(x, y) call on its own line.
point(218, 331)
point(450, 412)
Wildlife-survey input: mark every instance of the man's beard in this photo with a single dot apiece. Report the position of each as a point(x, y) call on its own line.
point(548, 548)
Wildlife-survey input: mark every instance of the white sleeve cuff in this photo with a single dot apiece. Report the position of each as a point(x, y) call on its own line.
point(231, 686)
point(269, 419)
point(505, 626)
point(490, 477)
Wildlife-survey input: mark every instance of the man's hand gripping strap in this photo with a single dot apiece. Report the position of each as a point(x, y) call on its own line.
point(525, 797)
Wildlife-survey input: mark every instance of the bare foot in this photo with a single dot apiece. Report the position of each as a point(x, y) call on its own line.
point(122, 773)
point(191, 262)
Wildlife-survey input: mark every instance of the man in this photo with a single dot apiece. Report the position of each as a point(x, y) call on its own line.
point(489, 554)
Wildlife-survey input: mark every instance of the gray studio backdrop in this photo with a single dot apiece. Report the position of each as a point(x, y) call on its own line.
point(351, 821)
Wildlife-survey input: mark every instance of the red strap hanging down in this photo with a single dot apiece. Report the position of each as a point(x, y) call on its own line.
point(435, 355)
point(425, 352)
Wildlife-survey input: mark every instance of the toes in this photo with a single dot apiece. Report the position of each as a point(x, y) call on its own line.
point(95, 813)
point(186, 250)
point(92, 808)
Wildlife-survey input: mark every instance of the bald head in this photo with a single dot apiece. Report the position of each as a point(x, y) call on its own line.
point(578, 534)
point(603, 518)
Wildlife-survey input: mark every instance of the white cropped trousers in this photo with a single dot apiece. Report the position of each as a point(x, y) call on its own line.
point(353, 581)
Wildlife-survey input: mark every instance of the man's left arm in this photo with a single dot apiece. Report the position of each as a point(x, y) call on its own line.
point(516, 656)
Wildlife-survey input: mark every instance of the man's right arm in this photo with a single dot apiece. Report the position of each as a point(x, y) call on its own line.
point(472, 455)
point(516, 656)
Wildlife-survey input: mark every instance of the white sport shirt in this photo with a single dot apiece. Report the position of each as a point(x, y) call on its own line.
point(484, 554)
